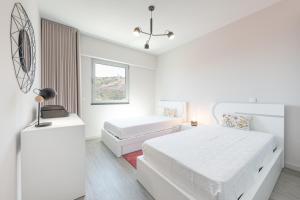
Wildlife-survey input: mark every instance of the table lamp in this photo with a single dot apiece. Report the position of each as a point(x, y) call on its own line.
point(42, 95)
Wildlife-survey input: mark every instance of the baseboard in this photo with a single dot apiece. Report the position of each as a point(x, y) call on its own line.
point(94, 137)
point(292, 167)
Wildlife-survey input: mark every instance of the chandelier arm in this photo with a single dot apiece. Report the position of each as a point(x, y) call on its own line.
point(145, 33)
point(150, 35)
point(164, 34)
point(151, 22)
point(151, 25)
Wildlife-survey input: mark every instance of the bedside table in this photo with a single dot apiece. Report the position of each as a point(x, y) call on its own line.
point(186, 126)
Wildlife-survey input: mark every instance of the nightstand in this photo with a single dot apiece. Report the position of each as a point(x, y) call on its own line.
point(186, 126)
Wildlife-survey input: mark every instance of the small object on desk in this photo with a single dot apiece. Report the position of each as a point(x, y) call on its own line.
point(194, 123)
point(43, 94)
point(53, 111)
point(40, 100)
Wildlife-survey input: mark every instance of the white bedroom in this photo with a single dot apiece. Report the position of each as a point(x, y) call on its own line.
point(150, 100)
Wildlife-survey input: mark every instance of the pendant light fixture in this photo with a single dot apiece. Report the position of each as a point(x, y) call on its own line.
point(137, 31)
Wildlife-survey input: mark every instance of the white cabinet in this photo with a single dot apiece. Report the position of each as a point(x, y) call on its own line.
point(53, 160)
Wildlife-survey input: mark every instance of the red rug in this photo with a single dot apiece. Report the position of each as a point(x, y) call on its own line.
point(132, 157)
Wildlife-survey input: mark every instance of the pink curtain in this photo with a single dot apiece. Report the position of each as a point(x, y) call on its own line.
point(60, 64)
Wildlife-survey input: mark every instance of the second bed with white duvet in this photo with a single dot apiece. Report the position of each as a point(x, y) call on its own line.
point(139, 126)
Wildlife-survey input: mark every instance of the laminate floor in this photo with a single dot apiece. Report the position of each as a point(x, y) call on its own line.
point(111, 178)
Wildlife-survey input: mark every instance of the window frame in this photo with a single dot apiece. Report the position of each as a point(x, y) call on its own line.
point(112, 64)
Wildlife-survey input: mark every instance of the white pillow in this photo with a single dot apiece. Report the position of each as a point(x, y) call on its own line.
point(236, 121)
point(170, 112)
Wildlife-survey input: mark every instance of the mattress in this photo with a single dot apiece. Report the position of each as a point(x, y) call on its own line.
point(134, 127)
point(211, 162)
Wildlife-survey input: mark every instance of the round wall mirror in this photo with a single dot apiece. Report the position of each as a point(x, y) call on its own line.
point(23, 47)
point(24, 51)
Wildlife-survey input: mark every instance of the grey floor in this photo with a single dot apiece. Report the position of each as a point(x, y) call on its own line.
point(111, 178)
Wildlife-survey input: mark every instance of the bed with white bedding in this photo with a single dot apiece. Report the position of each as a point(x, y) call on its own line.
point(123, 136)
point(217, 163)
point(135, 127)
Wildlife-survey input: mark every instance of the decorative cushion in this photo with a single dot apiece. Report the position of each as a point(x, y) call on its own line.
point(170, 112)
point(236, 121)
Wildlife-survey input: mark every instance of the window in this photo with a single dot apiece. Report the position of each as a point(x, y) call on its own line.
point(109, 82)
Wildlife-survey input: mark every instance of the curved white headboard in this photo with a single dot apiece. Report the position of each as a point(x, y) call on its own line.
point(180, 106)
point(267, 118)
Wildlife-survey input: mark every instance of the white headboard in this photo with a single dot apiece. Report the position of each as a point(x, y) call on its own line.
point(180, 106)
point(267, 118)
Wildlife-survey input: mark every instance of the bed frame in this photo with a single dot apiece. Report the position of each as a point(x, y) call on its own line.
point(123, 146)
point(265, 117)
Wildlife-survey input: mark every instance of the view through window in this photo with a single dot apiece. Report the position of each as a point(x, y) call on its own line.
point(110, 82)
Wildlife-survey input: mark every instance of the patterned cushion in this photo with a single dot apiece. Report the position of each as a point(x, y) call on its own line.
point(236, 121)
point(170, 112)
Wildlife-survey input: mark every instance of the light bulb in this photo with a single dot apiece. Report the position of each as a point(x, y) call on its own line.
point(171, 35)
point(137, 31)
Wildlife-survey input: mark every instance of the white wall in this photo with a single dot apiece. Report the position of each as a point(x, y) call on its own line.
point(16, 108)
point(141, 83)
point(95, 47)
point(258, 56)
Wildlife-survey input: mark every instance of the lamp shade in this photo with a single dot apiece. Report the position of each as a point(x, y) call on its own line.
point(137, 31)
point(47, 93)
point(170, 35)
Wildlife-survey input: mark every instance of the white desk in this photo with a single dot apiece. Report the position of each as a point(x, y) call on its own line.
point(53, 160)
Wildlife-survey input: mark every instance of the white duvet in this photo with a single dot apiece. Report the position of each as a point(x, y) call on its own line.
point(134, 127)
point(211, 162)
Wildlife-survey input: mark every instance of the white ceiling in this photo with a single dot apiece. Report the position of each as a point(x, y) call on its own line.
point(114, 20)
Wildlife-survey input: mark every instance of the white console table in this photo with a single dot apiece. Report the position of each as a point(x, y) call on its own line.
point(53, 160)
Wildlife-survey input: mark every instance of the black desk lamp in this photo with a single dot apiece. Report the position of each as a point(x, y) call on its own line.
point(43, 94)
